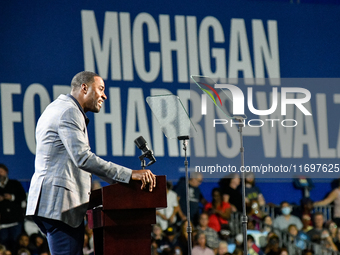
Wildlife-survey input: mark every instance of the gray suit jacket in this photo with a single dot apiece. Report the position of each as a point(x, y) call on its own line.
point(61, 184)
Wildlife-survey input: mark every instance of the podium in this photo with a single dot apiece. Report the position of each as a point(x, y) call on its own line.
point(121, 216)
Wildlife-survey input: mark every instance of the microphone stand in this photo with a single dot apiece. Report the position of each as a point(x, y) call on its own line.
point(244, 215)
point(189, 229)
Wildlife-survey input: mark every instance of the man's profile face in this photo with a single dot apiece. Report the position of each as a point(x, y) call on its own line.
point(95, 95)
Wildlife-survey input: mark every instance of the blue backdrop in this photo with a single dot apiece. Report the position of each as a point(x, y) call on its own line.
point(144, 48)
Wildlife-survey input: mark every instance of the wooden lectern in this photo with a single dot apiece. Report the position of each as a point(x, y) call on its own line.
point(121, 216)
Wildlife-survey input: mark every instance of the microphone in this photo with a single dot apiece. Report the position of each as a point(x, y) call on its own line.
point(142, 145)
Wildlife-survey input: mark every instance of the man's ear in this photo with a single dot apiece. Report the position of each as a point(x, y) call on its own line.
point(84, 88)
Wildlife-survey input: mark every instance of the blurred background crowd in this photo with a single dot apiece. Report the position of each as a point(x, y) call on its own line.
point(272, 229)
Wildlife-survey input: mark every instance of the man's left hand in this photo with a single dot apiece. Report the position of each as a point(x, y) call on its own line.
point(146, 176)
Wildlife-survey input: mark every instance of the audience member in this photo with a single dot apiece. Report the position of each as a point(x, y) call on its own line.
point(267, 224)
point(23, 243)
point(183, 237)
point(252, 191)
point(332, 228)
point(170, 233)
point(200, 248)
point(315, 233)
point(12, 208)
point(161, 241)
point(297, 238)
point(167, 216)
point(273, 246)
point(255, 213)
point(239, 241)
point(222, 248)
point(293, 231)
point(231, 194)
point(306, 223)
point(252, 247)
point(305, 208)
point(218, 211)
point(283, 221)
point(334, 196)
point(210, 234)
point(195, 194)
point(327, 241)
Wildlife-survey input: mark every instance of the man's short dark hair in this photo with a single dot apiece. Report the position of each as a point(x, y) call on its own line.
point(3, 166)
point(83, 77)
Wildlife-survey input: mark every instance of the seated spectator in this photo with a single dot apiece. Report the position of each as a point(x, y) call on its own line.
point(38, 244)
point(293, 231)
point(222, 248)
point(255, 213)
point(273, 246)
point(230, 193)
point(332, 228)
point(170, 233)
point(218, 210)
point(327, 241)
point(267, 224)
point(252, 191)
point(210, 234)
point(298, 238)
point(315, 233)
point(161, 241)
point(283, 221)
point(23, 243)
point(306, 223)
point(200, 248)
point(239, 241)
point(12, 207)
point(183, 237)
point(167, 216)
point(252, 247)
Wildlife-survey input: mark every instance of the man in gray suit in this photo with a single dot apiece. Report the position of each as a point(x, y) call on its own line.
point(64, 164)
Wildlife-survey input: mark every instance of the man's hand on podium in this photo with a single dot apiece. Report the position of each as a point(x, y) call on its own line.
point(146, 176)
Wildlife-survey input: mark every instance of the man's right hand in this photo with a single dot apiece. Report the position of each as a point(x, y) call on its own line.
point(146, 177)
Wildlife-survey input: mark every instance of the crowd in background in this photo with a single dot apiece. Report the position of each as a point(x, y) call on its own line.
point(216, 224)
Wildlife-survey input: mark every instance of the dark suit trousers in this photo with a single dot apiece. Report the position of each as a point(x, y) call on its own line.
point(62, 239)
